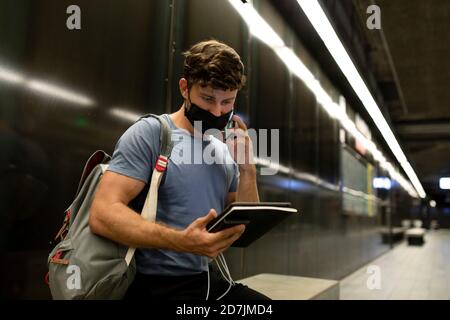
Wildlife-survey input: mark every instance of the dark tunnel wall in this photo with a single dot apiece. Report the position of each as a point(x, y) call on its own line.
point(127, 58)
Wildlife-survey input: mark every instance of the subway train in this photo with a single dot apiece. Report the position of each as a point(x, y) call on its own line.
point(70, 85)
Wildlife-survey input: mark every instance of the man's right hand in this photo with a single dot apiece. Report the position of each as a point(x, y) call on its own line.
point(196, 239)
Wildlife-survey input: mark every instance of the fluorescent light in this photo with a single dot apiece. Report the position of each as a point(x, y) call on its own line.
point(10, 76)
point(59, 92)
point(275, 166)
point(294, 64)
point(257, 25)
point(43, 87)
point(125, 114)
point(432, 203)
point(322, 25)
point(382, 183)
point(444, 183)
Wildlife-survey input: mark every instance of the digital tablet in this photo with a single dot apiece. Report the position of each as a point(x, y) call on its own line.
point(258, 217)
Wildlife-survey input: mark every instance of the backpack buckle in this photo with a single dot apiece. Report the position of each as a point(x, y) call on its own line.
point(161, 164)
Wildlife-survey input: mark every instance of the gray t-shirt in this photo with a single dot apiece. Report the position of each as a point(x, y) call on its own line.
point(188, 189)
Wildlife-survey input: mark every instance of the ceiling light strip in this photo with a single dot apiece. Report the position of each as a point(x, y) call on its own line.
point(322, 25)
point(259, 28)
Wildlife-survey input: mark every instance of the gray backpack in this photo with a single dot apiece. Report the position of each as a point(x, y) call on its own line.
point(84, 265)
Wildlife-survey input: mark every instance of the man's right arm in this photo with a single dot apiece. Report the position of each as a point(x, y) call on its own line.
point(111, 218)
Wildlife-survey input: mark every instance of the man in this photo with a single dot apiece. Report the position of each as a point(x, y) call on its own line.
point(172, 259)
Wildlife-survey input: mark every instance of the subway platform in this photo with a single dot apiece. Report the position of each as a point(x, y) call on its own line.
point(407, 272)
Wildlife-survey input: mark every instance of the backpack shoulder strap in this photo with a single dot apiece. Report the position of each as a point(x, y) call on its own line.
point(165, 136)
point(151, 201)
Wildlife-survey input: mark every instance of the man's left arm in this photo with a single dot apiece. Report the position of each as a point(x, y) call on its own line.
point(247, 190)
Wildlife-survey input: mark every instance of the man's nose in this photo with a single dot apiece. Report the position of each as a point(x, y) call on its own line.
point(216, 110)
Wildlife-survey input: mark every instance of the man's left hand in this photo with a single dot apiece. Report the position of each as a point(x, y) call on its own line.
point(240, 146)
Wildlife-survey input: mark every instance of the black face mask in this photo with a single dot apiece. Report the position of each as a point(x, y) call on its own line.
point(209, 121)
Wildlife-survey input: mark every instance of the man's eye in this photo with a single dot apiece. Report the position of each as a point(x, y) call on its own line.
point(207, 99)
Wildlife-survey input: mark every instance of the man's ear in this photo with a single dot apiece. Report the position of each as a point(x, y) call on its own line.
point(183, 87)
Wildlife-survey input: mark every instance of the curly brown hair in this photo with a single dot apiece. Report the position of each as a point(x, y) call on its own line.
point(213, 63)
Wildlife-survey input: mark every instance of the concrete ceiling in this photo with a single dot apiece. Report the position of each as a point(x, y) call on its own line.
point(406, 65)
point(411, 60)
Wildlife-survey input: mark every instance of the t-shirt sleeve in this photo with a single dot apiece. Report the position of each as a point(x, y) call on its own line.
point(136, 150)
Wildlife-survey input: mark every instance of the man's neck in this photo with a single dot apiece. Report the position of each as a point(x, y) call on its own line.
point(180, 121)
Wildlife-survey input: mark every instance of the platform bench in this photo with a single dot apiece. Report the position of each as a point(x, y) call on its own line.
point(416, 236)
point(283, 287)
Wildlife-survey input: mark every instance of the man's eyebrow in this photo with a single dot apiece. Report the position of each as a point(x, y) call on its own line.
point(209, 96)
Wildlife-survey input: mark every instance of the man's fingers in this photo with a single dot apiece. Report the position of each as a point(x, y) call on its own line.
point(227, 242)
point(239, 122)
point(229, 232)
point(222, 240)
point(203, 221)
point(235, 132)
